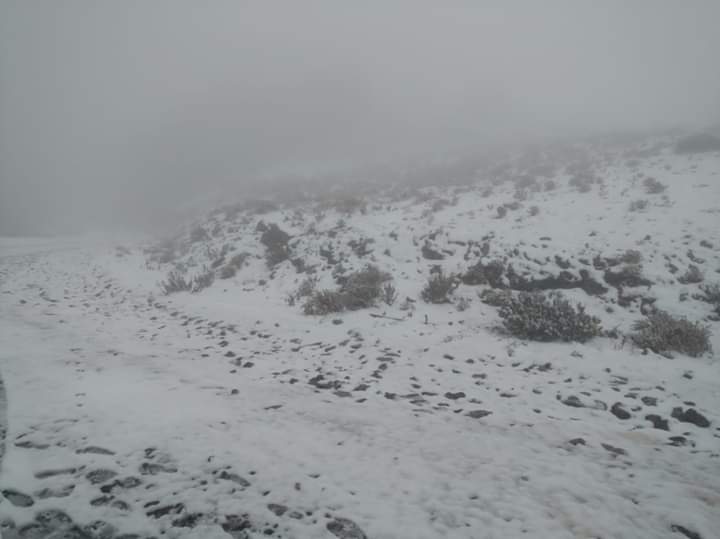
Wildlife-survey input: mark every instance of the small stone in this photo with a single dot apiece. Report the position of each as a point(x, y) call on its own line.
point(649, 401)
point(17, 498)
point(658, 422)
point(100, 476)
point(618, 411)
point(277, 509)
point(235, 478)
point(52, 473)
point(95, 450)
point(686, 532)
point(614, 450)
point(344, 528)
point(690, 416)
point(478, 414)
point(573, 401)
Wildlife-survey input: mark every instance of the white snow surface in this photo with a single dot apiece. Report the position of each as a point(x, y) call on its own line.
point(92, 354)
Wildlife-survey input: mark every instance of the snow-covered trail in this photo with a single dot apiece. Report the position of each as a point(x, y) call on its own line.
point(148, 435)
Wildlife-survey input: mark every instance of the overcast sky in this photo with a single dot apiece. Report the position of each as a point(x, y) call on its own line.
point(108, 106)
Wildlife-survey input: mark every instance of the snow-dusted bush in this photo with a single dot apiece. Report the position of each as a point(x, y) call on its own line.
point(490, 273)
point(358, 290)
point(662, 332)
point(692, 275)
point(638, 205)
point(653, 187)
point(275, 241)
point(438, 288)
point(198, 234)
point(697, 143)
point(175, 282)
point(361, 289)
point(495, 297)
point(203, 280)
point(307, 287)
point(324, 302)
point(711, 293)
point(229, 270)
point(389, 293)
point(538, 317)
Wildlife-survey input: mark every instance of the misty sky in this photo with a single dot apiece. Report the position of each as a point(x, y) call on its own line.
point(110, 110)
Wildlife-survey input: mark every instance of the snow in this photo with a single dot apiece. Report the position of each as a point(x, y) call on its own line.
point(92, 354)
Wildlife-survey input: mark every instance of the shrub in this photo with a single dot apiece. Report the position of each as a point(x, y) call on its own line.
point(389, 294)
point(229, 270)
point(501, 212)
point(203, 280)
point(550, 185)
point(198, 234)
point(691, 276)
point(534, 211)
point(358, 290)
point(638, 205)
point(538, 317)
point(653, 187)
point(494, 297)
point(490, 273)
point(324, 302)
point(438, 288)
point(700, 142)
point(307, 287)
point(175, 282)
point(711, 293)
point(661, 332)
point(275, 241)
point(632, 257)
point(462, 304)
point(362, 288)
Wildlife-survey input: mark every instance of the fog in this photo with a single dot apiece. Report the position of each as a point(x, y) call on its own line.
point(114, 112)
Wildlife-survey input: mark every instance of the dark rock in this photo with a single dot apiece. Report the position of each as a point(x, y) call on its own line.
point(658, 422)
point(478, 414)
point(678, 441)
point(60, 492)
point(618, 411)
point(52, 518)
point(166, 510)
point(235, 478)
point(277, 509)
point(100, 476)
point(18, 499)
point(649, 401)
point(153, 468)
point(573, 401)
point(687, 533)
point(344, 528)
point(235, 524)
point(126, 482)
point(614, 450)
point(100, 501)
point(94, 450)
point(100, 530)
point(577, 441)
point(187, 521)
point(454, 396)
point(690, 416)
point(431, 254)
point(44, 474)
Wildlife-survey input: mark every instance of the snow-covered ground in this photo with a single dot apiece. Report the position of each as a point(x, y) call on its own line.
point(229, 413)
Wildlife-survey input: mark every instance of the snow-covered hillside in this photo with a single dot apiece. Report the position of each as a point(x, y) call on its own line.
point(226, 411)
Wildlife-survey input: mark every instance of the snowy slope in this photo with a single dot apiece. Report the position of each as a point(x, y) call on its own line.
point(235, 414)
